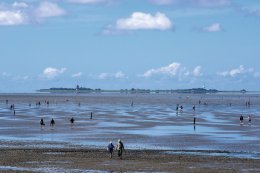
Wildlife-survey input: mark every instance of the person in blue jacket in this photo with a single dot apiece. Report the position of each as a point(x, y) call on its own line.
point(110, 148)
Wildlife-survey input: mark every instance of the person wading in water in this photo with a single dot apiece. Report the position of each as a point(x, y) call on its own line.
point(72, 122)
point(52, 123)
point(42, 123)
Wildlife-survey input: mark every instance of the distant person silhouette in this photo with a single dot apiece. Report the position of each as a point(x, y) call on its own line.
point(249, 119)
point(91, 114)
point(241, 119)
point(181, 108)
point(42, 123)
point(72, 121)
point(52, 123)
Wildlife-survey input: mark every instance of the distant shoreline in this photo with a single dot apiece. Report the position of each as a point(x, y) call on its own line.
point(133, 90)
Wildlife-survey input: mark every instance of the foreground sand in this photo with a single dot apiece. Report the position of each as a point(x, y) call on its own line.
point(80, 160)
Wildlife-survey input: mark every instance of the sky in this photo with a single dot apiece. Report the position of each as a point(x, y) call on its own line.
point(124, 44)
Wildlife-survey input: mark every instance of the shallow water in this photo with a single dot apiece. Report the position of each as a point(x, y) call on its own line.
point(216, 153)
point(47, 170)
point(152, 123)
point(56, 170)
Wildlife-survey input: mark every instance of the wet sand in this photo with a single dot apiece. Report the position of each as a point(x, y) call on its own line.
point(96, 160)
point(217, 143)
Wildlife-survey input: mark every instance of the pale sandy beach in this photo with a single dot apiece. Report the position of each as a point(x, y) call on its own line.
point(156, 137)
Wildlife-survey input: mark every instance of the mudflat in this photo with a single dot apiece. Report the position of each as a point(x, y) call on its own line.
point(157, 136)
point(97, 160)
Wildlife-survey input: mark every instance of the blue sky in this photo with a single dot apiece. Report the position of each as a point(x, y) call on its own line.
point(114, 44)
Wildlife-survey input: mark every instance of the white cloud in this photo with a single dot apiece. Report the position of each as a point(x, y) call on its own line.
point(88, 1)
point(241, 70)
point(18, 13)
point(10, 76)
point(77, 75)
point(20, 5)
point(21, 78)
point(103, 75)
point(49, 9)
point(140, 20)
point(12, 18)
point(215, 27)
point(111, 30)
point(119, 75)
point(51, 73)
point(173, 70)
point(5, 74)
point(197, 71)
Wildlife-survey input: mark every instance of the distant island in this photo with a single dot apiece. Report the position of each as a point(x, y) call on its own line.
point(133, 90)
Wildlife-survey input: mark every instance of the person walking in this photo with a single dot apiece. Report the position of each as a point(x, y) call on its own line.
point(52, 123)
point(72, 121)
point(110, 149)
point(120, 148)
point(42, 123)
point(249, 119)
point(193, 108)
point(241, 119)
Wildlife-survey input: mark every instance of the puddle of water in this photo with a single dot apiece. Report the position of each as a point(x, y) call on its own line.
point(57, 170)
point(48, 169)
point(218, 153)
point(54, 153)
point(211, 132)
point(114, 124)
point(211, 118)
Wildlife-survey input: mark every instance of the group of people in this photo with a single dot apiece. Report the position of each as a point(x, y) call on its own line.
point(242, 119)
point(179, 108)
point(52, 123)
point(119, 147)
